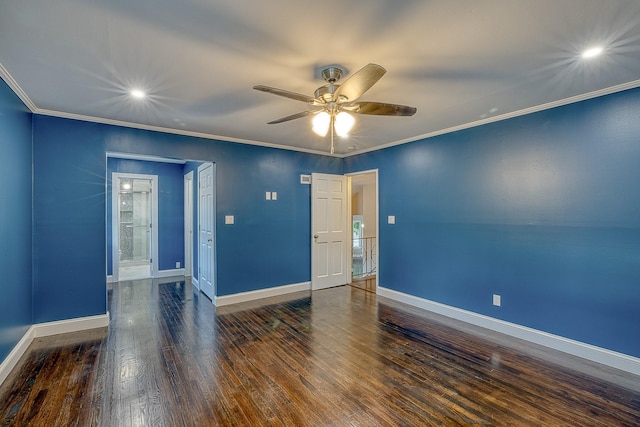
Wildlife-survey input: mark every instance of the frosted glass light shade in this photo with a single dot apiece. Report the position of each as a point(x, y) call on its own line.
point(344, 122)
point(320, 123)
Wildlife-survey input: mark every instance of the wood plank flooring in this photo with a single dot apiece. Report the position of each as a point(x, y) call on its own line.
point(336, 357)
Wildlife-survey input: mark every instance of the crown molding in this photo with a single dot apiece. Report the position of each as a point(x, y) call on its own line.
point(182, 132)
point(15, 87)
point(559, 103)
point(144, 157)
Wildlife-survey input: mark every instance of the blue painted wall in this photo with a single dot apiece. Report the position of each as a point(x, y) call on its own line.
point(543, 209)
point(269, 245)
point(16, 314)
point(170, 208)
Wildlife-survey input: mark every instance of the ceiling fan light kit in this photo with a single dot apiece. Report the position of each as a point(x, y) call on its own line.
point(321, 122)
point(334, 102)
point(343, 123)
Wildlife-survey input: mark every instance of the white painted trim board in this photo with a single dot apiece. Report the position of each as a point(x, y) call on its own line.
point(590, 352)
point(170, 273)
point(261, 293)
point(47, 329)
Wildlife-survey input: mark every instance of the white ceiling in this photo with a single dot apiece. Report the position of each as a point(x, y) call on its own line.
point(461, 63)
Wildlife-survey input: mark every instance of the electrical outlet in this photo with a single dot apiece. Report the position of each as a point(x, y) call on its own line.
point(229, 219)
point(391, 219)
point(497, 300)
point(178, 264)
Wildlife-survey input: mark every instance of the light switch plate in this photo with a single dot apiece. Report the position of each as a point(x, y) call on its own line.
point(229, 219)
point(391, 219)
point(267, 195)
point(274, 195)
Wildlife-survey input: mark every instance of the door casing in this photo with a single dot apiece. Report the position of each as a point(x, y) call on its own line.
point(188, 224)
point(377, 225)
point(115, 221)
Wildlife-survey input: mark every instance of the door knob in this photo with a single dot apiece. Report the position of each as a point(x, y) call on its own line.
point(315, 236)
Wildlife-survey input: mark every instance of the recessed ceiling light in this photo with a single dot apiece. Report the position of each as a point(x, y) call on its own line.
point(592, 52)
point(137, 93)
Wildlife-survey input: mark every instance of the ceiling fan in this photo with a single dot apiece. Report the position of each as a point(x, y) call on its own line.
point(336, 101)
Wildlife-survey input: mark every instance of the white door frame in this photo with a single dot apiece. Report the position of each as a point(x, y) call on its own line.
point(115, 221)
point(214, 269)
point(377, 260)
point(188, 224)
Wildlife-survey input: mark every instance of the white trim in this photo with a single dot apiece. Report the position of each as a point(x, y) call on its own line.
point(144, 157)
point(188, 182)
point(110, 279)
point(373, 171)
point(15, 87)
point(261, 293)
point(537, 108)
point(203, 135)
point(70, 325)
point(170, 273)
point(586, 351)
point(115, 222)
point(349, 240)
point(48, 329)
point(4, 73)
point(194, 282)
point(15, 355)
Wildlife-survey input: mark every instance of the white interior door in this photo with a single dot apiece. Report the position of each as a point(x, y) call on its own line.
point(330, 237)
point(206, 230)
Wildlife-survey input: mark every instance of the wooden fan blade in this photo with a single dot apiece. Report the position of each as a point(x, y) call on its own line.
point(285, 93)
point(291, 117)
point(381, 109)
point(359, 82)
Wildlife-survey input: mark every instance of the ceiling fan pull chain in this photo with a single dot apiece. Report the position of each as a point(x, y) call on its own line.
point(332, 131)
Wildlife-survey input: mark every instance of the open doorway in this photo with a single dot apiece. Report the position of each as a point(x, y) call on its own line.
point(135, 206)
point(364, 228)
point(174, 248)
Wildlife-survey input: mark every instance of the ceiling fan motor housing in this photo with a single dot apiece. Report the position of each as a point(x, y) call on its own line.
point(326, 92)
point(332, 74)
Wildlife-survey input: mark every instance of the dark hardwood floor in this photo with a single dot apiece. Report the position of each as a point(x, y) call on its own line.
point(338, 357)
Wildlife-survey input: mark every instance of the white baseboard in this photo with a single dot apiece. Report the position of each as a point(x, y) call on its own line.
point(160, 274)
point(261, 293)
point(70, 325)
point(195, 283)
point(590, 352)
point(15, 355)
point(170, 273)
point(47, 329)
